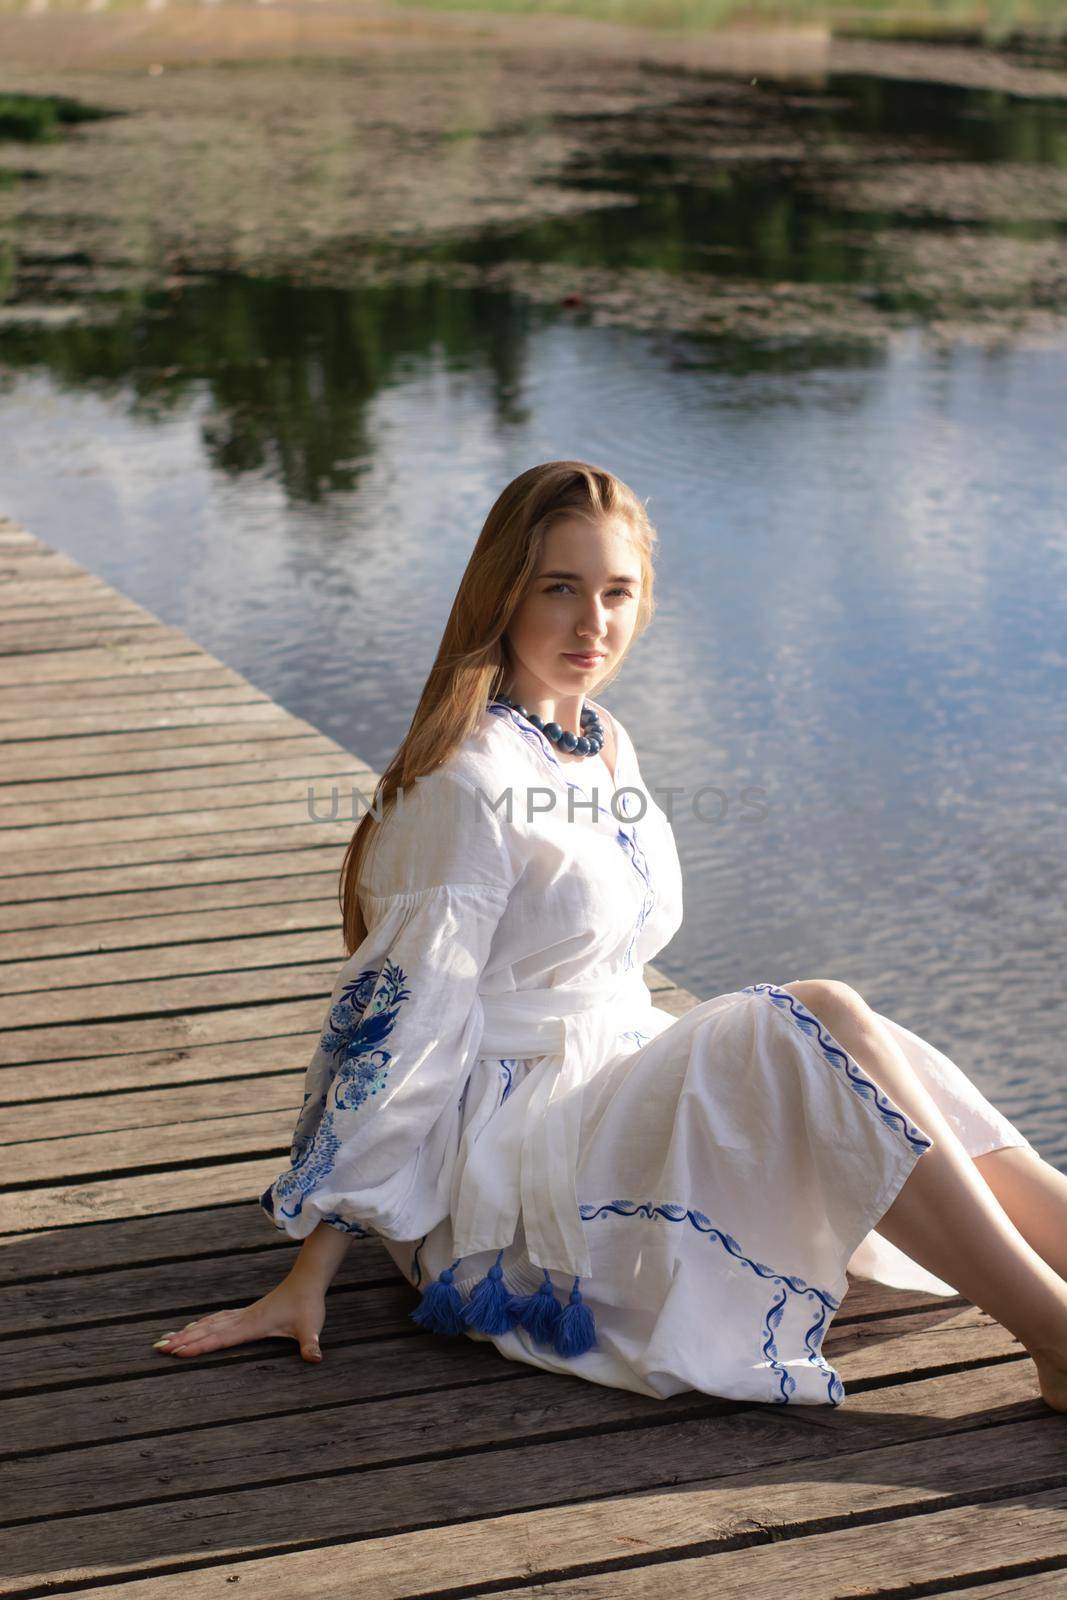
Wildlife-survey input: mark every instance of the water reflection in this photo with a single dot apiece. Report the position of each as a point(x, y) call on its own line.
point(861, 580)
point(695, 211)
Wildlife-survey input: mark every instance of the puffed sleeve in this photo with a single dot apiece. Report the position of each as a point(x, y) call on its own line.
point(404, 1023)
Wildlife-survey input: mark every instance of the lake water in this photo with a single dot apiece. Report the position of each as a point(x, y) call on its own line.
point(862, 572)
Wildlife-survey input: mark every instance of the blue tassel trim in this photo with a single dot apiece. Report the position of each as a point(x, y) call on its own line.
point(538, 1313)
point(493, 1309)
point(440, 1307)
point(489, 1307)
point(575, 1330)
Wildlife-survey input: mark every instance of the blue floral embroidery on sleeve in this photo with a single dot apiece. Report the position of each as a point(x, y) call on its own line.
point(313, 1165)
point(358, 1024)
point(360, 1020)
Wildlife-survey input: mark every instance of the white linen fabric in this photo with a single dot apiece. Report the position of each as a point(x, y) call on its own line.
point(495, 1095)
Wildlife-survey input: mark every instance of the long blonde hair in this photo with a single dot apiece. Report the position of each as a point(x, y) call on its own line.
point(473, 661)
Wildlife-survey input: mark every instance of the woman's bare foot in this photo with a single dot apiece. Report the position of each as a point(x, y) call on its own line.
point(291, 1311)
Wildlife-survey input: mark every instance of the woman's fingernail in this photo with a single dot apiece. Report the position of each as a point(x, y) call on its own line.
point(159, 1343)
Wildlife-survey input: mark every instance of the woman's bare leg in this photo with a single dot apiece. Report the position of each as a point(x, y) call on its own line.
point(946, 1216)
point(1034, 1194)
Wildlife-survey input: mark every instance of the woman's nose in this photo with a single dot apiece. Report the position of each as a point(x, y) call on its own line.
point(592, 623)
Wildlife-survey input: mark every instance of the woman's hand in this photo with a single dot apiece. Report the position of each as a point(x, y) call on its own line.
point(296, 1309)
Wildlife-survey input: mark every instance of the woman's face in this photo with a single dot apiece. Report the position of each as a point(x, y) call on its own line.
point(583, 599)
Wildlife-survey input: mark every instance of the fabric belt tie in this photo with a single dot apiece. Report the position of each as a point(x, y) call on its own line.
point(529, 1163)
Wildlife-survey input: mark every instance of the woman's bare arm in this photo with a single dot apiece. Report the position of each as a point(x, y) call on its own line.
point(295, 1309)
point(320, 1256)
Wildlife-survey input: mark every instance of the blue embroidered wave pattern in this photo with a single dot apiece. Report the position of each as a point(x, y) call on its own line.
point(628, 841)
point(527, 729)
point(359, 1021)
point(837, 1057)
point(788, 1283)
point(636, 1035)
point(337, 1221)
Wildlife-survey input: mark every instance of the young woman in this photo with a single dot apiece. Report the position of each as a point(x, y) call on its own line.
point(559, 1166)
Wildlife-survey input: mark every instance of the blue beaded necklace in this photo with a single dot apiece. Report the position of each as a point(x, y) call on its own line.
point(589, 742)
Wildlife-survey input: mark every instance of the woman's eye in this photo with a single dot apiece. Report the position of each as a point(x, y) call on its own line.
point(562, 585)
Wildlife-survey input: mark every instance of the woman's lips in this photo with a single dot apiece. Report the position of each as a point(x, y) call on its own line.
point(583, 661)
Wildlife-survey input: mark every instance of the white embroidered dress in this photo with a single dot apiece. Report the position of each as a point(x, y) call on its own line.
point(599, 1187)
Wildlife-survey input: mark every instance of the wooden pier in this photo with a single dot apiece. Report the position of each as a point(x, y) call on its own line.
point(169, 934)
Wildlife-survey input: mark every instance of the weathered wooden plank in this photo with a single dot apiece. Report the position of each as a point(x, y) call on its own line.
point(47, 1363)
point(338, 1437)
point(149, 639)
point(118, 609)
point(244, 714)
point(88, 1299)
point(916, 1550)
point(11, 593)
point(129, 1241)
point(31, 638)
point(212, 846)
point(327, 1575)
point(108, 793)
point(125, 933)
point(90, 1155)
point(77, 667)
point(301, 800)
point(160, 962)
point(150, 999)
point(123, 709)
point(370, 1370)
point(145, 1112)
point(18, 565)
point(130, 754)
point(405, 1566)
point(199, 685)
point(72, 1045)
point(151, 1192)
point(314, 782)
point(69, 1082)
point(43, 591)
point(758, 1470)
point(38, 624)
point(1030, 1585)
point(127, 1408)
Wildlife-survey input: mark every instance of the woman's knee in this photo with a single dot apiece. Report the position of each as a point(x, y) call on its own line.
point(828, 999)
